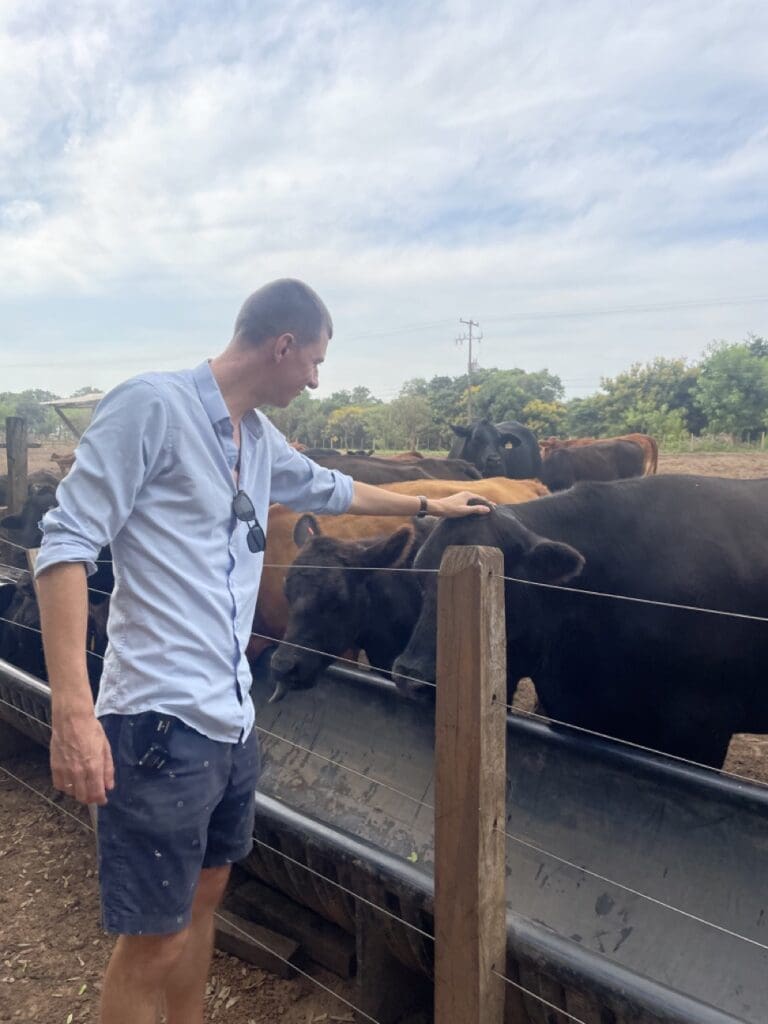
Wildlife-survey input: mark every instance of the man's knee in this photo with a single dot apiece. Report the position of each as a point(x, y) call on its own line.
point(150, 957)
point(210, 888)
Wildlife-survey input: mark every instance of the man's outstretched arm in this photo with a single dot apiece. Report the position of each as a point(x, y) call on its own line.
point(370, 500)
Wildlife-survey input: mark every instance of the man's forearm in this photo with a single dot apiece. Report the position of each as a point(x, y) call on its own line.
point(376, 501)
point(371, 500)
point(63, 599)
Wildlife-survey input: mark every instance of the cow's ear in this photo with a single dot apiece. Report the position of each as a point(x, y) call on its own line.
point(389, 551)
point(462, 431)
point(550, 561)
point(11, 523)
point(305, 529)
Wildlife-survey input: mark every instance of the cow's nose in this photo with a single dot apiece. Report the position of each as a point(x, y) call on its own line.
point(410, 680)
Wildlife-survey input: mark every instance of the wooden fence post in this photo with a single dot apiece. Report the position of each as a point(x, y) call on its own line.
point(16, 451)
point(470, 784)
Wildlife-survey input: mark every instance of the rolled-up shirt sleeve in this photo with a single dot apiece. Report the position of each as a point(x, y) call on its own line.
point(301, 484)
point(115, 456)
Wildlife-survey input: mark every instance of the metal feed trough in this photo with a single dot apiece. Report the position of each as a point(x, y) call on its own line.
point(692, 842)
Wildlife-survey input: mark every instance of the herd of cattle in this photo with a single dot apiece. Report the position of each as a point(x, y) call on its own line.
point(675, 679)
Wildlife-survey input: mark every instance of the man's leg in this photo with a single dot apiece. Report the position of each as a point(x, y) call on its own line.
point(144, 968)
point(185, 985)
point(135, 977)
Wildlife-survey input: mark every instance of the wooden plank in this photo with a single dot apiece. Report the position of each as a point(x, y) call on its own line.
point(247, 940)
point(16, 443)
point(515, 1009)
point(583, 1007)
point(75, 430)
point(323, 942)
point(470, 735)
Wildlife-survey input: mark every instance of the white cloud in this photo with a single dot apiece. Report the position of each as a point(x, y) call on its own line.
point(415, 163)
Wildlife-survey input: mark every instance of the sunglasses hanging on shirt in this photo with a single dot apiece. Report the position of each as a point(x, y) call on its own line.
point(242, 506)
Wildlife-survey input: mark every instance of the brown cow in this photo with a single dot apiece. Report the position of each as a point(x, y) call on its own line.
point(602, 460)
point(645, 441)
point(63, 463)
point(272, 608)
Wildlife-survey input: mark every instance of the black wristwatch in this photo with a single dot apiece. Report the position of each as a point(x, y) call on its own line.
point(422, 507)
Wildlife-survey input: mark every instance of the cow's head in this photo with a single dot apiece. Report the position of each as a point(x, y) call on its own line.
point(328, 601)
point(22, 528)
point(481, 444)
point(527, 556)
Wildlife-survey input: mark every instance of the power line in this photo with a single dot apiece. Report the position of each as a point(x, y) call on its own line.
point(638, 308)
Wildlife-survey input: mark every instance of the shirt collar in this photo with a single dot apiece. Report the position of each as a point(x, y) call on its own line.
point(210, 394)
point(213, 401)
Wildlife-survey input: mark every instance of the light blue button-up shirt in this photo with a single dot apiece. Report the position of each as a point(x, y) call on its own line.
point(153, 478)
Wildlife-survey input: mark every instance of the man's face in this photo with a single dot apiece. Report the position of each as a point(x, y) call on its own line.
point(299, 368)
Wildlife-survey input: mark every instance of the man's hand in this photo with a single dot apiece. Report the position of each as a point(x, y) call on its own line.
point(456, 505)
point(81, 759)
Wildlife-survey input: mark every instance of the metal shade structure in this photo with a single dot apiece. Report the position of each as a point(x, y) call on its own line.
point(89, 401)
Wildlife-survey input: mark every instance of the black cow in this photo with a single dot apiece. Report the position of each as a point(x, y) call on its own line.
point(602, 460)
point(21, 530)
point(498, 449)
point(335, 605)
point(39, 479)
point(522, 456)
point(371, 470)
point(21, 641)
point(674, 680)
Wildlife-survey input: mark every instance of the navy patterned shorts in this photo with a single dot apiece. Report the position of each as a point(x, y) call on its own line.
point(181, 802)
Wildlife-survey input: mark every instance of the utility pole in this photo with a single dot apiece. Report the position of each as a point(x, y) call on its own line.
point(471, 363)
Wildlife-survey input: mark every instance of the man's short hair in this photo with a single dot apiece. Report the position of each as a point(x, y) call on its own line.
point(286, 306)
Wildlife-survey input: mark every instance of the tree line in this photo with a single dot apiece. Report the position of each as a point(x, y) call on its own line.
point(725, 392)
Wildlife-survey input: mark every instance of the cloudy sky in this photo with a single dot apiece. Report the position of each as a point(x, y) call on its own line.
point(588, 179)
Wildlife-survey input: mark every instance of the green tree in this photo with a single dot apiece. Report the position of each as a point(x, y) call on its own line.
point(663, 385)
point(732, 389)
point(544, 418)
point(348, 427)
point(586, 417)
point(40, 419)
point(503, 394)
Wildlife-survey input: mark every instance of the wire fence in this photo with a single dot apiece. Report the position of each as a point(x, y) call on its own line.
point(523, 841)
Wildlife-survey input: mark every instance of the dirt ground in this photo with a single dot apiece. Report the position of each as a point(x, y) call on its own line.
point(52, 949)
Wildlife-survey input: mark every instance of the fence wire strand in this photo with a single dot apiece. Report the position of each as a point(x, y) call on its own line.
point(343, 888)
point(338, 657)
point(338, 764)
point(629, 889)
point(519, 712)
point(535, 995)
point(634, 600)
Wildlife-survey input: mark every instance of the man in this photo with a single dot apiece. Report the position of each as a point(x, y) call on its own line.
point(176, 472)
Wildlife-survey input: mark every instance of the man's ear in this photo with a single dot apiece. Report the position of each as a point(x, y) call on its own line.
point(283, 345)
point(550, 561)
point(305, 529)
